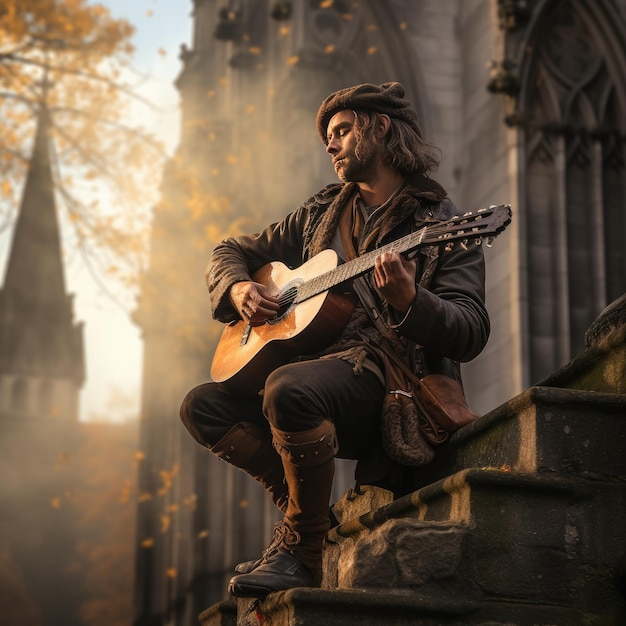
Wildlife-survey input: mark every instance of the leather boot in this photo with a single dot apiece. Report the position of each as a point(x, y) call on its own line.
point(294, 558)
point(248, 446)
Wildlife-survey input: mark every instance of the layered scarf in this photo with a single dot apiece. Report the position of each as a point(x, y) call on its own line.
point(402, 206)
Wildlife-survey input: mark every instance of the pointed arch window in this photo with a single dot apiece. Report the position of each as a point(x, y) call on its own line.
point(575, 188)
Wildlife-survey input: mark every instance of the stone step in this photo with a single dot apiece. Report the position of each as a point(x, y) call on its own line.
point(377, 607)
point(539, 538)
point(465, 550)
point(543, 430)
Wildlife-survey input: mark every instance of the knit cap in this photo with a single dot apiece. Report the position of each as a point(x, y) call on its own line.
point(387, 98)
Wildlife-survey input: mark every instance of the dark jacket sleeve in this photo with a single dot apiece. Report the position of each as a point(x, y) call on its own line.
point(236, 259)
point(450, 318)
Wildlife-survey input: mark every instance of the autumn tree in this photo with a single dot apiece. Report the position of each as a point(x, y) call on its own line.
point(74, 59)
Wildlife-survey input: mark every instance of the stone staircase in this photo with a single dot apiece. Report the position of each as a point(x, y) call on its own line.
point(520, 519)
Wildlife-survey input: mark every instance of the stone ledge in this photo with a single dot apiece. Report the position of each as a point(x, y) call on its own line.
point(373, 607)
point(417, 505)
point(366, 607)
point(601, 367)
point(530, 434)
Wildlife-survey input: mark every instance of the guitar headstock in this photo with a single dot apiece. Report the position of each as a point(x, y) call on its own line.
point(473, 226)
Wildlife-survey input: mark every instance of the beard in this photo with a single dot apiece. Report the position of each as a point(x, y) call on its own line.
point(355, 166)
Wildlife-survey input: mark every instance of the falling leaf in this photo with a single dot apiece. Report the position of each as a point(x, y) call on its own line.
point(147, 543)
point(125, 492)
point(191, 502)
point(170, 572)
point(203, 534)
point(293, 60)
point(62, 460)
point(372, 50)
point(329, 48)
point(55, 503)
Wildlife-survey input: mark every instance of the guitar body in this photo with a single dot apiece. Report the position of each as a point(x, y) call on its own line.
point(245, 355)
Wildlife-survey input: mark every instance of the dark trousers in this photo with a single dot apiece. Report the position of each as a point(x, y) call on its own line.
point(297, 397)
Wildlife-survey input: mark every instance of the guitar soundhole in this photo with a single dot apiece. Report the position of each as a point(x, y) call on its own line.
point(286, 300)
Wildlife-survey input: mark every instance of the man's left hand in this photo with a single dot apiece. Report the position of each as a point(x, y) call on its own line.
point(395, 278)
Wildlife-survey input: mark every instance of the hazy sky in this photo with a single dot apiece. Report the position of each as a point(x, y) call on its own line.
point(112, 343)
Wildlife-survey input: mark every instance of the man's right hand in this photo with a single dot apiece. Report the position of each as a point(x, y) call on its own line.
point(254, 302)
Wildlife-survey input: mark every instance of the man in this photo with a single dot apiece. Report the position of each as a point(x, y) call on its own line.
point(329, 404)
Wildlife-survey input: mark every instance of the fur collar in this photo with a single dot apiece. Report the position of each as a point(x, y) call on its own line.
point(417, 190)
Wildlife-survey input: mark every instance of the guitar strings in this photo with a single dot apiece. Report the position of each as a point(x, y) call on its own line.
point(468, 225)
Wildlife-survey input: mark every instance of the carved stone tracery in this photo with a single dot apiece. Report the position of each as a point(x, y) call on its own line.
point(565, 92)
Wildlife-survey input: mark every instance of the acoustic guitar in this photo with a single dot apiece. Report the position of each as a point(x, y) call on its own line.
point(313, 310)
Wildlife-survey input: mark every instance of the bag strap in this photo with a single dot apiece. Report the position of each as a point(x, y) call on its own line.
point(364, 292)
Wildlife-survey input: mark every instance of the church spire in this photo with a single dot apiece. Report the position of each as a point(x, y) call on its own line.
point(34, 275)
point(41, 348)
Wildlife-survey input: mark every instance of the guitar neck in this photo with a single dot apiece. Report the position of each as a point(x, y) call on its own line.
point(356, 267)
point(485, 223)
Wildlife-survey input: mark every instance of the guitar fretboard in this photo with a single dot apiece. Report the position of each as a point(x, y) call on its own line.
point(356, 267)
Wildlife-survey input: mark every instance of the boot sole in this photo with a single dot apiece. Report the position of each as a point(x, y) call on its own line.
point(238, 590)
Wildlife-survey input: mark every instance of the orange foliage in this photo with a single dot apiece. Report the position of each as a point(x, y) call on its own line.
point(74, 57)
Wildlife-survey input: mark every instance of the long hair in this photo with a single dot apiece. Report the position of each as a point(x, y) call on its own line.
point(405, 148)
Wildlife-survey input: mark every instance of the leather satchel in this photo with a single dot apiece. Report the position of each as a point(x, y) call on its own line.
point(419, 413)
point(443, 398)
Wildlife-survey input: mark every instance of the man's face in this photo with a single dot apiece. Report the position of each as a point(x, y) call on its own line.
point(342, 146)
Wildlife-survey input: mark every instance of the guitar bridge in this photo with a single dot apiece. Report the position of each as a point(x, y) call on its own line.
point(246, 335)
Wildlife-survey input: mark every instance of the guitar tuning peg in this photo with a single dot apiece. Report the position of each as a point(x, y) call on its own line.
point(449, 246)
point(493, 206)
point(463, 244)
point(467, 214)
point(489, 242)
point(478, 241)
